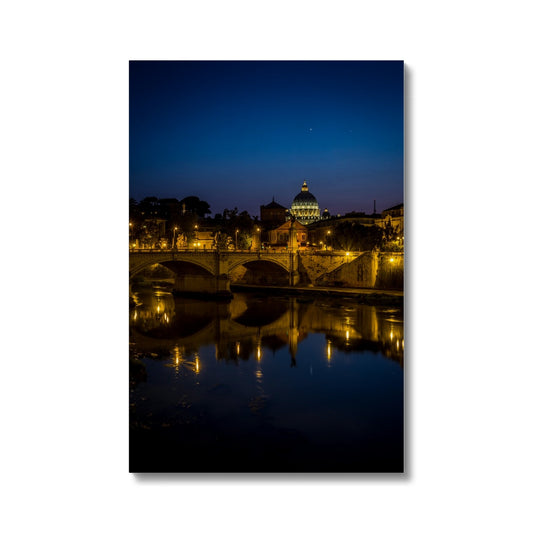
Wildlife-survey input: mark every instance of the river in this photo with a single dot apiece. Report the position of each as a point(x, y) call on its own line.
point(265, 383)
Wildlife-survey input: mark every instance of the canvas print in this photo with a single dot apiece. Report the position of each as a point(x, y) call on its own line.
point(266, 266)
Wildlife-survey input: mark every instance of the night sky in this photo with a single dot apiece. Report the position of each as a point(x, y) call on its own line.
point(238, 133)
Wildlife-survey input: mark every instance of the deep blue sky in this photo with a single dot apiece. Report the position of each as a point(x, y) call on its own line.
point(236, 133)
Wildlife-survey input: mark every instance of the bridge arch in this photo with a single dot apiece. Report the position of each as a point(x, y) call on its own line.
point(171, 263)
point(253, 260)
point(259, 271)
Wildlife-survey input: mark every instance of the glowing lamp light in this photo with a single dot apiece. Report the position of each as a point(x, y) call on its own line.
point(391, 259)
point(347, 254)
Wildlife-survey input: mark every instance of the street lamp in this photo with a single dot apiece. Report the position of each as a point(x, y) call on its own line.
point(196, 236)
point(174, 237)
point(327, 239)
point(236, 239)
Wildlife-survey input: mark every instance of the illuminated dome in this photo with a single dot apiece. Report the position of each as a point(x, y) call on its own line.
point(305, 206)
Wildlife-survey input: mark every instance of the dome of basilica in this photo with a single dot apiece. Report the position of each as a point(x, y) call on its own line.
point(305, 206)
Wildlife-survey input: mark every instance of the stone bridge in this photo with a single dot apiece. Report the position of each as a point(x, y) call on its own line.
point(209, 271)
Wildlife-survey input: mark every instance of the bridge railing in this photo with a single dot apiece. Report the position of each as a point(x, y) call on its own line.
point(192, 250)
point(251, 252)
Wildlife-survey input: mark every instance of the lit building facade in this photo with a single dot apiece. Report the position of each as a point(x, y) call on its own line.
point(280, 235)
point(393, 216)
point(305, 207)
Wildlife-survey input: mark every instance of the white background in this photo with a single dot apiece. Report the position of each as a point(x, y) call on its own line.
point(64, 176)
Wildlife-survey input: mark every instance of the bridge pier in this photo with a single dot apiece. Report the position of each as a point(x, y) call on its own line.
point(294, 278)
point(294, 274)
point(203, 286)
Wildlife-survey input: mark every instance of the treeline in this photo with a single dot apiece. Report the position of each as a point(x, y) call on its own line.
point(351, 236)
point(154, 221)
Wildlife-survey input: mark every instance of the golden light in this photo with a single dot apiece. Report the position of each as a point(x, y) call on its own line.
point(328, 350)
point(259, 353)
point(197, 366)
point(347, 335)
point(397, 345)
point(158, 309)
point(347, 253)
point(391, 335)
point(391, 259)
point(131, 224)
point(238, 347)
point(135, 315)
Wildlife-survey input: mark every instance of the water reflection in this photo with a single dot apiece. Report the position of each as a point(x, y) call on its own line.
point(262, 382)
point(251, 326)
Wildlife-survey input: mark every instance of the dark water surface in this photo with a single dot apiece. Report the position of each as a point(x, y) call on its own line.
point(265, 384)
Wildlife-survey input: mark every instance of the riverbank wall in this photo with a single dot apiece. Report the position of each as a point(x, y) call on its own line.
point(362, 295)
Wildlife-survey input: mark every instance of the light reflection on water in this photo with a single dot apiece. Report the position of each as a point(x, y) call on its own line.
point(163, 323)
point(290, 375)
